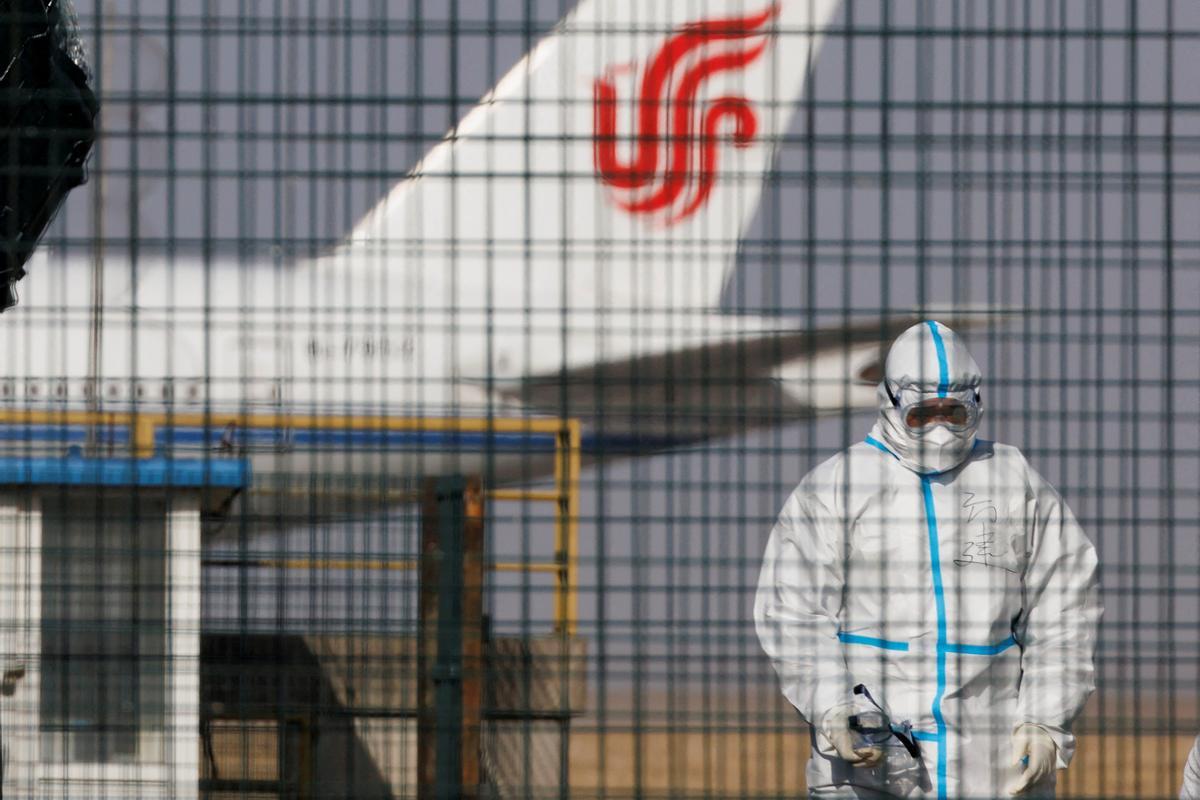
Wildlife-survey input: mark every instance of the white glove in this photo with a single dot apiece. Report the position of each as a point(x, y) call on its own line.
point(835, 727)
point(1035, 753)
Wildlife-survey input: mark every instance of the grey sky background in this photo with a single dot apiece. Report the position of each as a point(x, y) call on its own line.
point(1047, 166)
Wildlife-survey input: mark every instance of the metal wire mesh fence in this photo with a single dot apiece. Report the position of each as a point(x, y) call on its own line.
point(407, 403)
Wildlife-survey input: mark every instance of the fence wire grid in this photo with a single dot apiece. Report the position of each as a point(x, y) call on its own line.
point(482, 398)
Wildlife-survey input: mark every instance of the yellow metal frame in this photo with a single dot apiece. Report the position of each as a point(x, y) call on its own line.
point(565, 495)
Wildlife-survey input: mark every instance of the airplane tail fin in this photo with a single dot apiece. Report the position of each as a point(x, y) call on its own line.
point(618, 163)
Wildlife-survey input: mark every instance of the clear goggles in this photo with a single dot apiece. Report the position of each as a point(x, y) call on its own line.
point(875, 727)
point(922, 410)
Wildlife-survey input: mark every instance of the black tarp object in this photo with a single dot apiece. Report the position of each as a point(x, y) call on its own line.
point(47, 126)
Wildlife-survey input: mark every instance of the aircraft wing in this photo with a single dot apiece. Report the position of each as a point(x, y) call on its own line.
point(770, 377)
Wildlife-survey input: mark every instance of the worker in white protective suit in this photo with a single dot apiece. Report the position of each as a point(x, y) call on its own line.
point(1191, 774)
point(929, 601)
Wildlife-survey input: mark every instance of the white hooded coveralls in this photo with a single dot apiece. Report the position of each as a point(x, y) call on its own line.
point(964, 599)
point(1191, 774)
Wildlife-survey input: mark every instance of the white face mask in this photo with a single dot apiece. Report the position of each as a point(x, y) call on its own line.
point(941, 449)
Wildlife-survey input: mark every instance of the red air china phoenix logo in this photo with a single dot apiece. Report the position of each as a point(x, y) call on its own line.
point(673, 165)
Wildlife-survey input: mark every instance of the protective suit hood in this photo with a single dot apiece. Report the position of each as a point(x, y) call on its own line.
point(927, 360)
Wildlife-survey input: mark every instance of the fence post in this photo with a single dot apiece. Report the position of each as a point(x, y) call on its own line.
point(450, 640)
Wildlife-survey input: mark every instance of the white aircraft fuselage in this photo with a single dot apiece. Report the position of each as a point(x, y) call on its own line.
point(561, 254)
